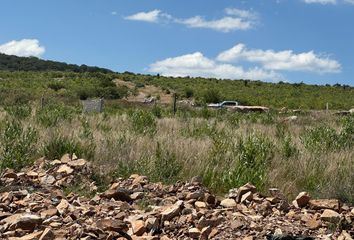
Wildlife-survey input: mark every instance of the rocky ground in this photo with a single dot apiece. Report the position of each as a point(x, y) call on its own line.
point(33, 206)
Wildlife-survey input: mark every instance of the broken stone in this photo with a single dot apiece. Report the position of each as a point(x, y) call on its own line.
point(228, 203)
point(318, 204)
point(24, 221)
point(248, 187)
point(171, 212)
point(301, 200)
point(65, 169)
point(47, 235)
point(329, 215)
point(138, 227)
point(77, 163)
point(194, 233)
point(65, 158)
point(63, 206)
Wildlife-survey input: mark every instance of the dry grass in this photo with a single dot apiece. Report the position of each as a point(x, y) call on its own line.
point(212, 148)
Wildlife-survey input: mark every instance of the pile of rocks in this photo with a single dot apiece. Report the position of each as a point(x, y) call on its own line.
point(33, 206)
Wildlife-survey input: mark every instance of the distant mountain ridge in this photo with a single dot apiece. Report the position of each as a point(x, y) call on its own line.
point(15, 63)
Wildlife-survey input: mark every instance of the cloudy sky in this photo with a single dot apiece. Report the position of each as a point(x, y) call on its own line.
point(271, 40)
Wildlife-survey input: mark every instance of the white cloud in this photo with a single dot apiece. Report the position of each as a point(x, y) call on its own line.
point(321, 1)
point(241, 13)
point(152, 16)
point(197, 65)
point(236, 19)
point(282, 60)
point(23, 48)
point(225, 24)
point(114, 13)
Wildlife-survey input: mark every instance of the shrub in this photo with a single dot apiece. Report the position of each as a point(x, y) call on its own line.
point(52, 114)
point(56, 86)
point(211, 96)
point(287, 148)
point(17, 145)
point(255, 153)
point(189, 93)
point(143, 122)
point(318, 139)
point(57, 146)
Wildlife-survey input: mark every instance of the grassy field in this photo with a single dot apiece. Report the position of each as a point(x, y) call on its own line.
point(315, 153)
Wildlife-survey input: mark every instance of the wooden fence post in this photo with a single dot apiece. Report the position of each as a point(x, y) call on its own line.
point(174, 103)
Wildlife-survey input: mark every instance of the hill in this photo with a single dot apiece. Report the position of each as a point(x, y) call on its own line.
point(275, 95)
point(23, 79)
point(14, 63)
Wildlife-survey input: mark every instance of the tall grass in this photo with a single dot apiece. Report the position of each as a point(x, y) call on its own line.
point(315, 153)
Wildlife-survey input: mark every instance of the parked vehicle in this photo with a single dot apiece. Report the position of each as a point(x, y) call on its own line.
point(224, 104)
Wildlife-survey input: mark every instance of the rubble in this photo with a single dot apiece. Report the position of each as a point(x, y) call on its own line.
point(34, 206)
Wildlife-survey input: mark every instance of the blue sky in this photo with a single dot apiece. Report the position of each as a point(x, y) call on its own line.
point(271, 40)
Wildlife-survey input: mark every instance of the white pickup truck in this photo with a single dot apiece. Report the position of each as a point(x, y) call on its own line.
point(235, 107)
point(224, 104)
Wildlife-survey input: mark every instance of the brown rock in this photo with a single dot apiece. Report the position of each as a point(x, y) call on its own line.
point(195, 195)
point(111, 225)
point(63, 206)
point(65, 158)
point(49, 212)
point(9, 173)
point(171, 211)
point(47, 234)
point(23, 221)
point(32, 174)
point(65, 169)
point(248, 196)
point(199, 204)
point(248, 187)
point(313, 223)
point(77, 163)
point(318, 204)
point(301, 200)
point(137, 195)
point(138, 227)
point(209, 198)
point(329, 215)
point(228, 203)
point(194, 233)
point(47, 180)
point(345, 236)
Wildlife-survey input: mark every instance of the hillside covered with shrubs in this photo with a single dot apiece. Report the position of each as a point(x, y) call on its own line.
point(27, 79)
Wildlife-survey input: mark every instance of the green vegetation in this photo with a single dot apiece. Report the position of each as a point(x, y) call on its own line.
point(14, 63)
point(27, 79)
point(40, 115)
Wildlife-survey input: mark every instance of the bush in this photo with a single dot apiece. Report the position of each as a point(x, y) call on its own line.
point(211, 96)
point(143, 122)
point(320, 139)
point(56, 86)
point(17, 145)
point(52, 114)
point(189, 93)
point(255, 153)
point(57, 146)
point(165, 166)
